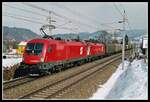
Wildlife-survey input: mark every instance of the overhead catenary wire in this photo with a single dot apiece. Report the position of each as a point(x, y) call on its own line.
point(71, 29)
point(24, 19)
point(25, 10)
point(109, 23)
point(12, 14)
point(32, 21)
point(59, 15)
point(64, 23)
point(81, 15)
point(37, 13)
point(68, 9)
point(29, 11)
point(129, 25)
point(70, 21)
point(19, 18)
point(127, 19)
point(74, 21)
point(122, 6)
point(118, 9)
point(77, 25)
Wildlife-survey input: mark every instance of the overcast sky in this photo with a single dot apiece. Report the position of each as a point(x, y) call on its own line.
point(87, 16)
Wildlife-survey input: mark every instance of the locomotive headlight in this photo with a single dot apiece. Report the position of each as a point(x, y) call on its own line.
point(42, 59)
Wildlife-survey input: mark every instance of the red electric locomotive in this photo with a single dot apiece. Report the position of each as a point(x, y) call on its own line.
point(45, 56)
point(49, 50)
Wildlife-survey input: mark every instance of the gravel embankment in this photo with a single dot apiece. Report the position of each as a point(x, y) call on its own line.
point(87, 87)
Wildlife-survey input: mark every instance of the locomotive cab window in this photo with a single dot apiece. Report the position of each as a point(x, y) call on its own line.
point(34, 48)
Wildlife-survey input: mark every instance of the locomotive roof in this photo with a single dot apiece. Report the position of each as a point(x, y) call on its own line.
point(43, 40)
point(52, 41)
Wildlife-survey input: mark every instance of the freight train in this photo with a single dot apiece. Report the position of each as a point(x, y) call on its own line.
point(46, 55)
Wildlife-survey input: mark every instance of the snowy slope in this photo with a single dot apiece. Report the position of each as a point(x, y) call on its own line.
point(130, 83)
point(10, 62)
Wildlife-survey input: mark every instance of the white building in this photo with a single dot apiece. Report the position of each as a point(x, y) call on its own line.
point(145, 43)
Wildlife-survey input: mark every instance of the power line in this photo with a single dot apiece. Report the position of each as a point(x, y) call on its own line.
point(19, 18)
point(69, 22)
point(128, 21)
point(79, 14)
point(56, 14)
point(118, 9)
point(71, 29)
point(64, 23)
point(109, 23)
point(83, 27)
point(122, 6)
point(28, 11)
point(24, 19)
point(25, 10)
point(126, 16)
point(129, 25)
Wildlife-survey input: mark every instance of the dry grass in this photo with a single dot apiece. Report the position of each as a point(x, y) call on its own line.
point(8, 73)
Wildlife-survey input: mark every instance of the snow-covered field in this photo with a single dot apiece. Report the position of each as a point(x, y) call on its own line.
point(130, 83)
point(10, 62)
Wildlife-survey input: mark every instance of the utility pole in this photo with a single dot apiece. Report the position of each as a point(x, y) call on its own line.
point(49, 20)
point(114, 34)
point(123, 46)
point(50, 26)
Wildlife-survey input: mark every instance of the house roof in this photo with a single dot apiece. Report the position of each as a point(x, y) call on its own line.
point(23, 43)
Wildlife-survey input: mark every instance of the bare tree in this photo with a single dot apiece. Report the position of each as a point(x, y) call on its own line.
point(104, 37)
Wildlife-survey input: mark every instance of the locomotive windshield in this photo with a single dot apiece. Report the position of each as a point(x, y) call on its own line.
point(34, 48)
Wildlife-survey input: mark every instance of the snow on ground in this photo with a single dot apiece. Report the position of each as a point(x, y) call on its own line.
point(130, 83)
point(10, 62)
point(12, 55)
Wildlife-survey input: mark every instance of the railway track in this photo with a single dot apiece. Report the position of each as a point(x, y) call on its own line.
point(86, 87)
point(53, 90)
point(17, 82)
point(54, 85)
